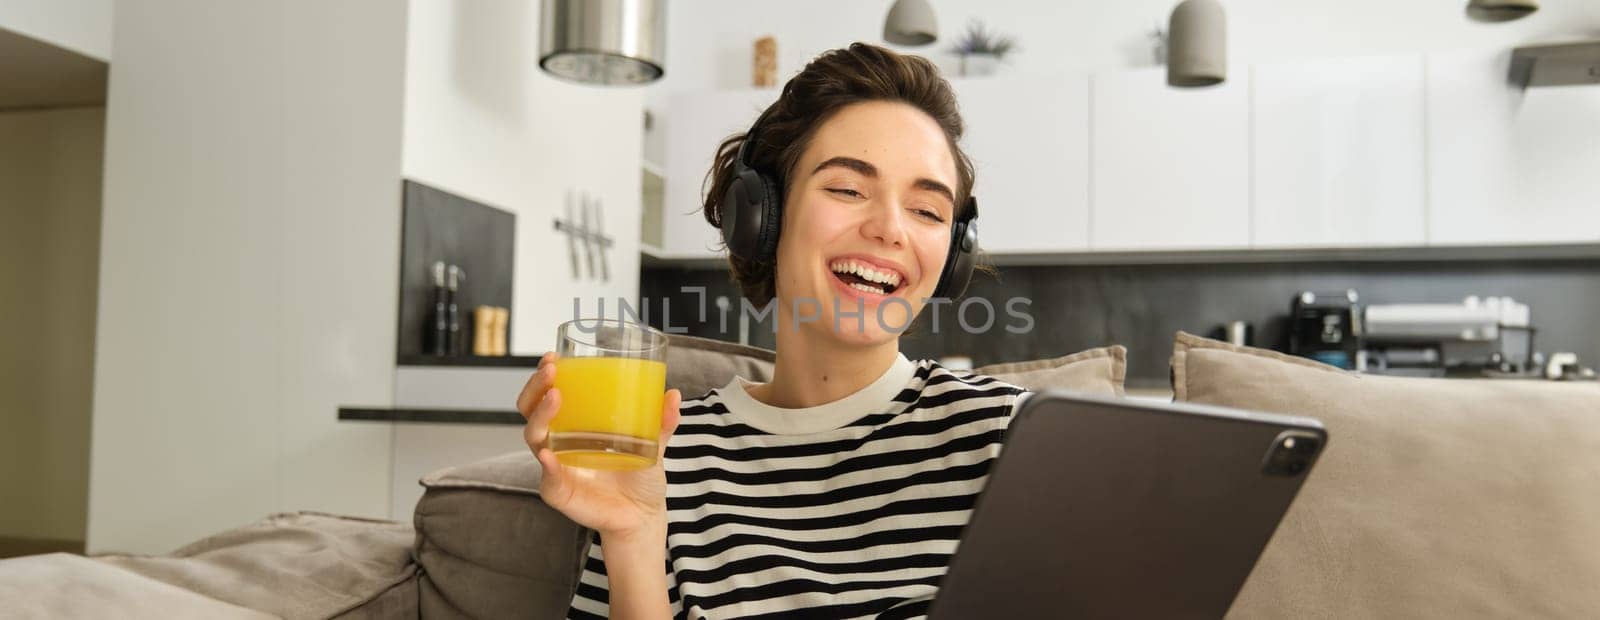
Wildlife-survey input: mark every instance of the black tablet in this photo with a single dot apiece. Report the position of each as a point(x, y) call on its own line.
point(1111, 508)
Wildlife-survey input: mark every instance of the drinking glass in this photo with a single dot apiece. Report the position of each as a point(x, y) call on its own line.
point(612, 377)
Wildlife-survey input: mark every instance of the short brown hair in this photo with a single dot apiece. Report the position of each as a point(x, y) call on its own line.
point(833, 80)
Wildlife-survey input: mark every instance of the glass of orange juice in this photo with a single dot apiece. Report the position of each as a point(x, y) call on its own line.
point(612, 376)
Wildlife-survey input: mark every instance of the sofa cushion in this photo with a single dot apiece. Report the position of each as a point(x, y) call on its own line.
point(69, 587)
point(696, 365)
point(1096, 371)
point(489, 548)
point(399, 601)
point(293, 565)
point(1440, 498)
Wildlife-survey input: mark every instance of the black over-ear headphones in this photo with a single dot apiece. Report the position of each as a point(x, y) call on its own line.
point(752, 210)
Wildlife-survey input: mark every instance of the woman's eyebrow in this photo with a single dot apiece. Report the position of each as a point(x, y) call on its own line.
point(936, 187)
point(852, 163)
point(868, 170)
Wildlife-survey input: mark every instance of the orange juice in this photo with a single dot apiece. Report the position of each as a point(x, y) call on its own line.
point(610, 413)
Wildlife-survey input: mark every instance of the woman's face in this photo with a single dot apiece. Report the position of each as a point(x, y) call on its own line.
point(866, 223)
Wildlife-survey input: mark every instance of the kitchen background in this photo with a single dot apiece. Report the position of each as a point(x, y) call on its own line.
point(1076, 307)
point(211, 242)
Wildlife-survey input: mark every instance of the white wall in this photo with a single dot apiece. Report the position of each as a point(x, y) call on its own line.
point(83, 26)
point(49, 248)
point(483, 121)
point(248, 265)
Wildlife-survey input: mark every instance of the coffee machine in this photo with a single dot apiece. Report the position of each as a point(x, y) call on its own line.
point(1471, 338)
point(1327, 327)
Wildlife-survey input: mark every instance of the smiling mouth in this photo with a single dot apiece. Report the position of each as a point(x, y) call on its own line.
point(866, 278)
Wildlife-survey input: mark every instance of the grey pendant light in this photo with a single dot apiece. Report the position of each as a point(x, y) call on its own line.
point(910, 22)
point(603, 41)
point(1197, 44)
point(1500, 10)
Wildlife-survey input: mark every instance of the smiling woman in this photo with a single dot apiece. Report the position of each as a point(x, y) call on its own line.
point(906, 93)
point(840, 487)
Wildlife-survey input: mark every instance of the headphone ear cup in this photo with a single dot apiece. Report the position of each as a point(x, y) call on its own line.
point(959, 262)
point(746, 215)
point(771, 207)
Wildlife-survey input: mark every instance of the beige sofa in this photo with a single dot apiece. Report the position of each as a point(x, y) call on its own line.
point(1435, 498)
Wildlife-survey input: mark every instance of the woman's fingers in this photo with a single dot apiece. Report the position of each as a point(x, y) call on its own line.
point(537, 430)
point(538, 382)
point(554, 487)
point(669, 419)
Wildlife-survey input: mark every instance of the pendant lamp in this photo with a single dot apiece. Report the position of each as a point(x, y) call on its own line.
point(910, 22)
point(1197, 44)
point(1500, 10)
point(610, 42)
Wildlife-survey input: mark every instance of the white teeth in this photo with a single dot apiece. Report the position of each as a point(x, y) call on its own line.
point(867, 272)
point(862, 287)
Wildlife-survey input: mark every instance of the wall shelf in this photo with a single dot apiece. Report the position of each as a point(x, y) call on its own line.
point(1567, 64)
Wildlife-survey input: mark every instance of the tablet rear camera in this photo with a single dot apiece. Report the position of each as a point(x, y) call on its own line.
point(1291, 454)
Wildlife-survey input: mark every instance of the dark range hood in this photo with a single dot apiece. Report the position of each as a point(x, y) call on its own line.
point(1566, 64)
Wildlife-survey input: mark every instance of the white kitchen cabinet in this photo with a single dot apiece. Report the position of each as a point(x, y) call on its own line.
point(695, 124)
point(1028, 138)
point(1337, 153)
point(1506, 165)
point(1170, 166)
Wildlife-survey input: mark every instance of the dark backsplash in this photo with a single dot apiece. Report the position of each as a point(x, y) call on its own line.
point(1141, 306)
point(440, 226)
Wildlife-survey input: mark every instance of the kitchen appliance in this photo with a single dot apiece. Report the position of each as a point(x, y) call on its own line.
point(1478, 335)
point(1566, 367)
point(1327, 327)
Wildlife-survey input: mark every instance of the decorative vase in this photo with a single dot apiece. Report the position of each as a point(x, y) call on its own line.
point(764, 69)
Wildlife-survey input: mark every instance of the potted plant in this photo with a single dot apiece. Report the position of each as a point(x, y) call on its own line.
point(981, 51)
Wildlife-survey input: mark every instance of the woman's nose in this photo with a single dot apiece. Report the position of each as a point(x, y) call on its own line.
point(885, 223)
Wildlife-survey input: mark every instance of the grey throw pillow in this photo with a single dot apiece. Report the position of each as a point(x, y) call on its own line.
point(696, 366)
point(1095, 371)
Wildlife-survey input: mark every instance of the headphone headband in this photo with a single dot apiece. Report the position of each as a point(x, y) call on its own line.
point(744, 148)
point(748, 145)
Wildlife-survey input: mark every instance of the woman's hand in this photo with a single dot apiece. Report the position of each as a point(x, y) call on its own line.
point(618, 504)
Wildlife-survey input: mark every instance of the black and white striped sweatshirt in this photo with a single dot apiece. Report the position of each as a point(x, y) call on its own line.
point(848, 509)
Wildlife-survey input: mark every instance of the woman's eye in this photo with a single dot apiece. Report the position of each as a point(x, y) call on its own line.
point(846, 192)
point(930, 215)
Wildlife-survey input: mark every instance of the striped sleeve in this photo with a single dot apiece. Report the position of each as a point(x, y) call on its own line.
point(592, 601)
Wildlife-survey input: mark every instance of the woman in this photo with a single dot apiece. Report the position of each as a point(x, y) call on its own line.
point(840, 487)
